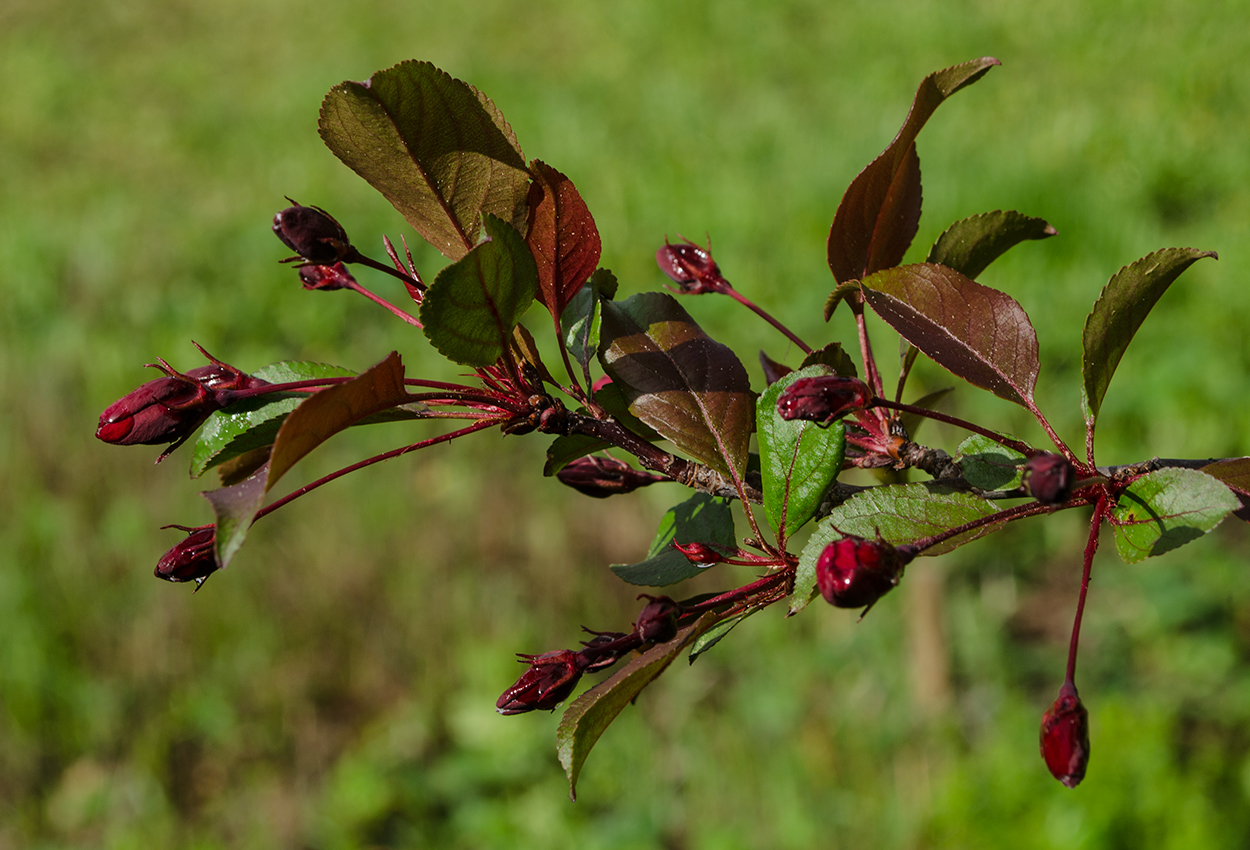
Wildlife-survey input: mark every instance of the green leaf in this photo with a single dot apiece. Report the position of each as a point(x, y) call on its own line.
point(1120, 310)
point(899, 513)
point(677, 379)
point(990, 465)
point(235, 507)
point(253, 423)
point(1166, 509)
point(699, 519)
point(565, 450)
point(980, 334)
point(437, 148)
point(586, 719)
point(833, 356)
point(878, 216)
point(969, 245)
point(715, 634)
point(798, 460)
point(562, 236)
point(581, 319)
point(474, 304)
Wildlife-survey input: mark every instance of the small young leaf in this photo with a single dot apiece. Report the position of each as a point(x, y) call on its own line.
point(580, 321)
point(436, 148)
point(717, 633)
point(798, 459)
point(1166, 509)
point(699, 519)
point(474, 304)
point(990, 465)
point(677, 379)
point(971, 244)
point(980, 334)
point(877, 217)
point(565, 450)
point(586, 719)
point(911, 422)
point(833, 356)
point(899, 513)
point(1120, 310)
point(562, 236)
point(1233, 471)
point(235, 507)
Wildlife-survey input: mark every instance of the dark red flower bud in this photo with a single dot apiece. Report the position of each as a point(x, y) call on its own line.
point(547, 683)
point(657, 622)
point(326, 278)
point(601, 477)
point(691, 267)
point(170, 409)
point(823, 400)
point(854, 572)
point(1048, 478)
point(312, 233)
point(1065, 737)
point(598, 654)
point(699, 553)
point(193, 559)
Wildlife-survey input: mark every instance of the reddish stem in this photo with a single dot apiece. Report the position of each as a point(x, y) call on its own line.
point(759, 311)
point(1091, 546)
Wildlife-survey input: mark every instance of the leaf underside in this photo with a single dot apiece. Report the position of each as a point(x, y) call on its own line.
point(562, 236)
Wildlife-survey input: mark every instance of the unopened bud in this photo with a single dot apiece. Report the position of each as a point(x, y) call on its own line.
point(699, 553)
point(691, 267)
point(1048, 477)
point(657, 622)
point(312, 233)
point(1065, 737)
point(854, 572)
point(547, 683)
point(601, 477)
point(598, 655)
point(192, 559)
point(326, 278)
point(824, 399)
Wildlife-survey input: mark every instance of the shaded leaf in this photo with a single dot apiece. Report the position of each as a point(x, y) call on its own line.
point(475, 303)
point(980, 334)
point(1120, 310)
point(580, 321)
point(841, 292)
point(586, 719)
point(798, 459)
point(436, 148)
point(562, 236)
point(677, 379)
point(971, 244)
point(253, 423)
point(715, 634)
point(990, 465)
point(1233, 471)
point(833, 356)
point(911, 422)
point(877, 217)
point(235, 507)
point(1166, 509)
point(699, 519)
point(526, 351)
point(565, 450)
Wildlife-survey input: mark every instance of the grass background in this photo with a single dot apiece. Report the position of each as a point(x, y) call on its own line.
point(335, 688)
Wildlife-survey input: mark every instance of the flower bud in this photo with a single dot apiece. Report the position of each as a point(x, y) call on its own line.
point(170, 409)
point(598, 654)
point(547, 683)
point(1048, 477)
point(326, 278)
point(699, 553)
point(691, 267)
point(657, 622)
point(1065, 737)
point(854, 572)
point(601, 477)
point(194, 558)
point(823, 400)
point(312, 233)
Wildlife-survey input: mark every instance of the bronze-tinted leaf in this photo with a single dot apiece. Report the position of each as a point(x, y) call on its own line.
point(562, 236)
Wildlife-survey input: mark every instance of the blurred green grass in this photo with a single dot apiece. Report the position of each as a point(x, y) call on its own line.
point(334, 689)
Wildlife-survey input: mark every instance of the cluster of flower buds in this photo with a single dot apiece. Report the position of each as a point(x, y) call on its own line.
point(192, 559)
point(599, 476)
point(823, 400)
point(313, 234)
point(1064, 738)
point(691, 267)
point(1049, 478)
point(855, 572)
point(170, 409)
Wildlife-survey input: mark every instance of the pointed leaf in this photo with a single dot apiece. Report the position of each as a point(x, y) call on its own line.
point(580, 321)
point(833, 356)
point(235, 508)
point(911, 422)
point(990, 465)
point(677, 379)
point(980, 334)
point(716, 634)
point(969, 245)
point(586, 719)
point(1233, 471)
point(1120, 310)
point(699, 519)
point(561, 235)
point(877, 218)
point(436, 148)
point(565, 450)
point(1166, 509)
point(798, 459)
point(474, 304)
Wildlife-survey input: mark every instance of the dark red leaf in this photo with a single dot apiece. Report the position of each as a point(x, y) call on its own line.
point(562, 236)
